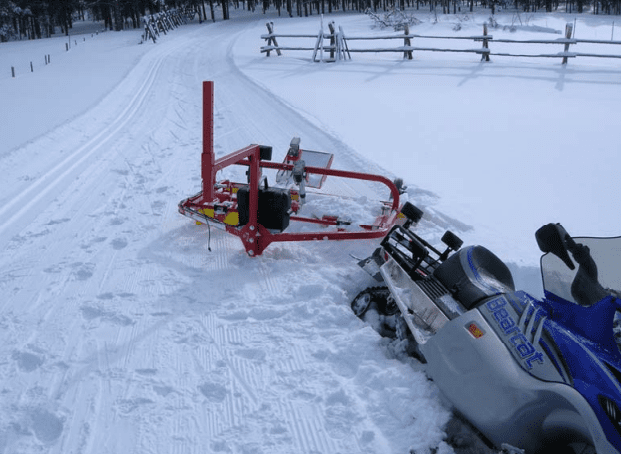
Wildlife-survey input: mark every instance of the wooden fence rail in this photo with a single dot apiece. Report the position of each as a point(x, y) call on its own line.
point(163, 23)
point(339, 49)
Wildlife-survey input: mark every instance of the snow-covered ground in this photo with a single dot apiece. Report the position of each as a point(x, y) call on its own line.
point(121, 332)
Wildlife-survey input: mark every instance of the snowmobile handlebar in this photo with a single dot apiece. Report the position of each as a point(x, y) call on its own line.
point(553, 238)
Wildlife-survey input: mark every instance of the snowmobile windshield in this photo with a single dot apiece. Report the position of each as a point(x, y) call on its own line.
point(596, 273)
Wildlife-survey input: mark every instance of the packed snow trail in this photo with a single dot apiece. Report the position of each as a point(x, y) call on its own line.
point(122, 333)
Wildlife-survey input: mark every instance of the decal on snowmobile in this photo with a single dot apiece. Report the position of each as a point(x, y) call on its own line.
point(473, 329)
point(511, 335)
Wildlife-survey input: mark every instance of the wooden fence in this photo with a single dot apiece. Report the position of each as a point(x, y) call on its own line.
point(338, 48)
point(163, 23)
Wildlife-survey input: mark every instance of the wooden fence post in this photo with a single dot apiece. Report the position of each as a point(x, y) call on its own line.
point(13, 71)
point(568, 31)
point(332, 39)
point(407, 43)
point(344, 46)
point(485, 55)
point(272, 39)
point(31, 68)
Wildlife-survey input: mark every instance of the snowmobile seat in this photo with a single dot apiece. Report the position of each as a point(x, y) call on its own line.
point(474, 273)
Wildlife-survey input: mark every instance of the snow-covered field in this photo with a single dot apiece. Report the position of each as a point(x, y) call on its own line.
point(122, 333)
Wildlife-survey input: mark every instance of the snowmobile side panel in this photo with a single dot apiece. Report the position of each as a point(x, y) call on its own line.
point(424, 317)
point(505, 402)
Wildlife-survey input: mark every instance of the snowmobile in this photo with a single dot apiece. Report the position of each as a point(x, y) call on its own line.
point(538, 375)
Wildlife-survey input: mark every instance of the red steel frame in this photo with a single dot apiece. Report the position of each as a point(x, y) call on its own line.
point(253, 235)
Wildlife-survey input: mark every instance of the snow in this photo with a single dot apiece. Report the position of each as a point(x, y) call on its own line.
point(121, 332)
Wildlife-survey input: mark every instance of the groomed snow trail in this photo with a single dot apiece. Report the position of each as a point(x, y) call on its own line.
point(121, 332)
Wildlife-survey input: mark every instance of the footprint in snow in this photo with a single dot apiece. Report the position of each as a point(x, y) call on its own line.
point(163, 390)
point(26, 361)
point(94, 313)
point(46, 426)
point(119, 243)
point(157, 206)
point(82, 271)
point(58, 221)
point(251, 354)
point(105, 296)
point(214, 392)
point(57, 268)
point(93, 241)
point(129, 405)
point(146, 371)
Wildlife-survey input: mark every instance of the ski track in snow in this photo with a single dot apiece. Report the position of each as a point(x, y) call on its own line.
point(122, 333)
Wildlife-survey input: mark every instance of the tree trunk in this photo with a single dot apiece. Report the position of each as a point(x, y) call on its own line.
point(213, 15)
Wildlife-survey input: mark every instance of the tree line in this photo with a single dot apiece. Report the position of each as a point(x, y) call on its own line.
point(33, 19)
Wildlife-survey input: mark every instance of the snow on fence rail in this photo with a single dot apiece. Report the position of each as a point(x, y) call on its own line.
point(339, 49)
point(163, 23)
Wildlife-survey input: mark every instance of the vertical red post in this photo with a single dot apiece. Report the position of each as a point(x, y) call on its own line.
point(207, 157)
point(255, 174)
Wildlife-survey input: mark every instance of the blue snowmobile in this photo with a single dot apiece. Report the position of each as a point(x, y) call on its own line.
point(538, 376)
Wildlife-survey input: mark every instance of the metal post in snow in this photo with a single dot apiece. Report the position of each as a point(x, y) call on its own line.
point(207, 157)
point(13, 71)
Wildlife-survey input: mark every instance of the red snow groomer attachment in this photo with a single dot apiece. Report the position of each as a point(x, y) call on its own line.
point(258, 214)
